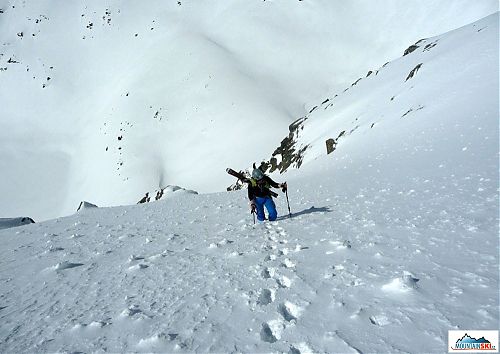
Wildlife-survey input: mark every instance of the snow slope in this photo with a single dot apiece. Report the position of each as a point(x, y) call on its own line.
point(445, 86)
point(390, 244)
point(105, 101)
point(192, 274)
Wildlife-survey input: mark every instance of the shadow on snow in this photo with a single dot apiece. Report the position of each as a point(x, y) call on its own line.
point(312, 209)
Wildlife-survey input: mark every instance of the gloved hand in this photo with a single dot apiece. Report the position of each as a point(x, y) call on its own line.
point(252, 207)
point(283, 187)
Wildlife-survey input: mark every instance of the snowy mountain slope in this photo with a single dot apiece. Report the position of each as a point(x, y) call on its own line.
point(104, 101)
point(192, 274)
point(390, 244)
point(431, 94)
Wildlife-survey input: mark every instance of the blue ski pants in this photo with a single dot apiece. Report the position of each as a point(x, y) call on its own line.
point(268, 202)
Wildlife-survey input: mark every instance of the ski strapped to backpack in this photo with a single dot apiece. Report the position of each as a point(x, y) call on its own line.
point(245, 179)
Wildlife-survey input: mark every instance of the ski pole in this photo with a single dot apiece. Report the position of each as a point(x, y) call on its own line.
point(288, 202)
point(253, 213)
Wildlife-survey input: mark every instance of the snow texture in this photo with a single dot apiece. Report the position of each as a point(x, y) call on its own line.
point(392, 242)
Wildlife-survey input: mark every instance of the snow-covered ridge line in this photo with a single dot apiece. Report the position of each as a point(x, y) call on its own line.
point(164, 193)
point(406, 86)
point(6, 223)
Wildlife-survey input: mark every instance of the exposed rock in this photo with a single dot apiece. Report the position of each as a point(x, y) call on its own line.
point(356, 82)
point(86, 205)
point(6, 223)
point(410, 49)
point(430, 46)
point(413, 47)
point(330, 146)
point(312, 110)
point(144, 199)
point(165, 192)
point(413, 72)
point(289, 153)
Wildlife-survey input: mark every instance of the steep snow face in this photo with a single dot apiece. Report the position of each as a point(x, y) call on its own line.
point(103, 102)
point(440, 88)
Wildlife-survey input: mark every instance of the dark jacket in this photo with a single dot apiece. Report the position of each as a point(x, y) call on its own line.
point(261, 187)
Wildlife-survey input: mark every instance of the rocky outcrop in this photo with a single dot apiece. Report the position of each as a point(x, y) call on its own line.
point(331, 144)
point(413, 47)
point(6, 223)
point(288, 153)
point(163, 193)
point(86, 205)
point(413, 72)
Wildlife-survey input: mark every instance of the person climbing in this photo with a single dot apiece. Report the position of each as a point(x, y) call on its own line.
point(260, 195)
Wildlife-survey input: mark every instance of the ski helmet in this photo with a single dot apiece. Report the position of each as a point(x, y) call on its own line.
point(257, 174)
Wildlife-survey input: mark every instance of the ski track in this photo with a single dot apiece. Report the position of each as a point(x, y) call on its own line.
point(157, 279)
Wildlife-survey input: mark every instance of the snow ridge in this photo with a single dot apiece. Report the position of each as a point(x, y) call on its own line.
point(425, 84)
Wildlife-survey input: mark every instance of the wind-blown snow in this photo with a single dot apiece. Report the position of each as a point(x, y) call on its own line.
point(393, 240)
point(105, 101)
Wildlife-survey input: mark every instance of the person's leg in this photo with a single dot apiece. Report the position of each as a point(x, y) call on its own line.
point(259, 206)
point(271, 209)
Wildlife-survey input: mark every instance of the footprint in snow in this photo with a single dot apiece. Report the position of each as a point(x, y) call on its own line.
point(339, 245)
point(287, 263)
point(299, 248)
point(268, 273)
point(403, 284)
point(134, 258)
point(284, 282)
point(266, 296)
point(93, 324)
point(281, 231)
point(270, 257)
point(300, 348)
point(271, 331)
point(380, 320)
point(55, 249)
point(269, 247)
point(221, 243)
point(283, 252)
point(138, 266)
point(289, 311)
point(66, 265)
point(156, 340)
point(131, 311)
